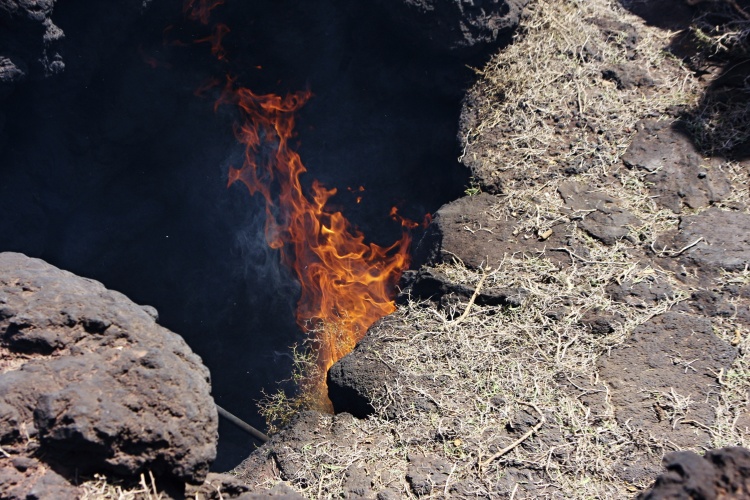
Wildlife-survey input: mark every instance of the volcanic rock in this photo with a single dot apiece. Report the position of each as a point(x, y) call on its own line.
point(280, 455)
point(90, 383)
point(664, 377)
point(641, 294)
point(722, 473)
point(362, 377)
point(458, 26)
point(29, 40)
point(430, 284)
point(466, 229)
point(709, 241)
point(32, 46)
point(359, 377)
point(600, 214)
point(678, 175)
point(427, 473)
point(627, 76)
point(709, 303)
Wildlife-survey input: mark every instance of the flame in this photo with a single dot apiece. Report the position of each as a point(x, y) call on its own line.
point(345, 281)
point(215, 39)
point(346, 284)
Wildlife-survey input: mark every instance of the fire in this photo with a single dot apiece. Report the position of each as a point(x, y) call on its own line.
point(215, 39)
point(347, 284)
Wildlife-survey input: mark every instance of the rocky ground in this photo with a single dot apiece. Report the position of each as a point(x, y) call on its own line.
point(578, 322)
point(583, 312)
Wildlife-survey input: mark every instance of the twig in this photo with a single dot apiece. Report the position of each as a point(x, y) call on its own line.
point(664, 253)
point(471, 300)
point(572, 255)
point(448, 480)
point(513, 493)
point(520, 440)
point(157, 495)
point(699, 424)
point(4, 453)
point(458, 259)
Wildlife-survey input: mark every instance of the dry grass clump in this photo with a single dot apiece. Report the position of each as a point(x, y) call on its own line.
point(550, 100)
point(102, 488)
point(307, 392)
point(306, 389)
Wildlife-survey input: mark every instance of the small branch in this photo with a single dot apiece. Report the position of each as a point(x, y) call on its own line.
point(448, 481)
point(471, 300)
point(520, 440)
point(698, 424)
point(664, 253)
point(572, 254)
point(458, 259)
point(513, 493)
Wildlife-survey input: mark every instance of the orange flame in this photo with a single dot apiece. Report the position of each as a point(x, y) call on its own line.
point(215, 39)
point(345, 282)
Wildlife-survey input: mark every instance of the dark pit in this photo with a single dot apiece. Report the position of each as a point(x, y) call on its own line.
point(115, 170)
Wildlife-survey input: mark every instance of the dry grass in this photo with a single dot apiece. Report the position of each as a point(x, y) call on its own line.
point(545, 102)
point(722, 120)
point(102, 488)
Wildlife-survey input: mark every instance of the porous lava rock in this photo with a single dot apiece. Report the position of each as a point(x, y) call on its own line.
point(89, 382)
point(720, 474)
point(32, 46)
point(711, 240)
point(29, 40)
point(677, 173)
point(363, 377)
point(430, 284)
point(641, 294)
point(599, 214)
point(459, 26)
point(663, 379)
point(427, 473)
point(280, 456)
point(357, 378)
point(470, 230)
